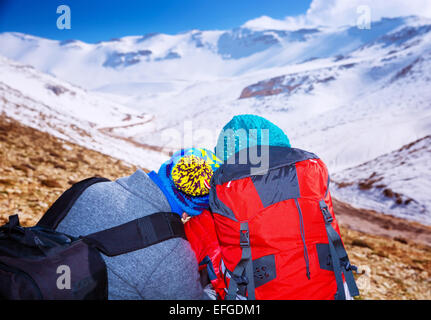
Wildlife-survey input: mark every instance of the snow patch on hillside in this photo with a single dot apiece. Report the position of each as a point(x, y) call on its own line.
point(394, 183)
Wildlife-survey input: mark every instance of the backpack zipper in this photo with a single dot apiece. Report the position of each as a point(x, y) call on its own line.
point(301, 229)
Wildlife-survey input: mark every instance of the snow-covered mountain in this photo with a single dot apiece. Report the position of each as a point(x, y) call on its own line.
point(350, 95)
point(69, 112)
point(152, 60)
point(397, 182)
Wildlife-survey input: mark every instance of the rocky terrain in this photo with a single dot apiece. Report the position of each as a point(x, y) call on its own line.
point(35, 168)
point(395, 254)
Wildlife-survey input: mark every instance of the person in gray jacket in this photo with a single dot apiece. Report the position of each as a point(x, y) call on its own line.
point(167, 270)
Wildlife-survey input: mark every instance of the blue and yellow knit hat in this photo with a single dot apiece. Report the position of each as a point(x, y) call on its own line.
point(186, 177)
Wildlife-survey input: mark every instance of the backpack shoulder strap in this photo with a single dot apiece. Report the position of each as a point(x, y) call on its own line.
point(243, 274)
point(59, 209)
point(137, 234)
point(339, 257)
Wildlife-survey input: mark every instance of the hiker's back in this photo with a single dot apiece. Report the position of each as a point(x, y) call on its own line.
point(167, 270)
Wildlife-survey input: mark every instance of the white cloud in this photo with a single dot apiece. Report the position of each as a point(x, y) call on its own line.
point(344, 12)
point(265, 22)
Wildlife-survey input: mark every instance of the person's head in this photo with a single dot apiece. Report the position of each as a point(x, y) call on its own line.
point(187, 175)
point(245, 131)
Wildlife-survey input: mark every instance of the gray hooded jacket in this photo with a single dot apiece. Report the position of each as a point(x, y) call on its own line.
point(167, 270)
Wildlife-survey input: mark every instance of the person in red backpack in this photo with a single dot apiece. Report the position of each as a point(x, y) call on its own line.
point(272, 216)
point(200, 230)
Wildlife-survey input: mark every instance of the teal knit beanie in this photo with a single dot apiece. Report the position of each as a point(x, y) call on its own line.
point(248, 131)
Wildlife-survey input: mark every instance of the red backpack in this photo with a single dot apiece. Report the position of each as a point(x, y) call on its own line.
point(277, 232)
point(201, 234)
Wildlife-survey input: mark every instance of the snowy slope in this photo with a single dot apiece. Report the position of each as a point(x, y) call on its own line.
point(394, 183)
point(71, 113)
point(348, 109)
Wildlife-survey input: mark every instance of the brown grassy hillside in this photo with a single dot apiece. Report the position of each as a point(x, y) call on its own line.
point(35, 168)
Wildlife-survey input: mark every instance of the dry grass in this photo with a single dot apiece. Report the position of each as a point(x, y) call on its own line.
point(397, 270)
point(35, 168)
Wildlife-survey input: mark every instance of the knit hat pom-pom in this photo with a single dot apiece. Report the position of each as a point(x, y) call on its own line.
point(192, 175)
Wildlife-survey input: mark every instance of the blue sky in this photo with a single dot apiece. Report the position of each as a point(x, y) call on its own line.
point(95, 20)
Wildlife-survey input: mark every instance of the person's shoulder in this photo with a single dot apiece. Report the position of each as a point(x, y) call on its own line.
point(100, 188)
point(125, 184)
point(101, 195)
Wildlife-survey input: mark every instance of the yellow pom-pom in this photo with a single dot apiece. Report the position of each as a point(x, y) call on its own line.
point(192, 175)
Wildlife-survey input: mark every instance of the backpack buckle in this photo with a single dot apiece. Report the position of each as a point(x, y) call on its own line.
point(244, 236)
point(325, 211)
point(349, 267)
point(240, 280)
point(244, 239)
